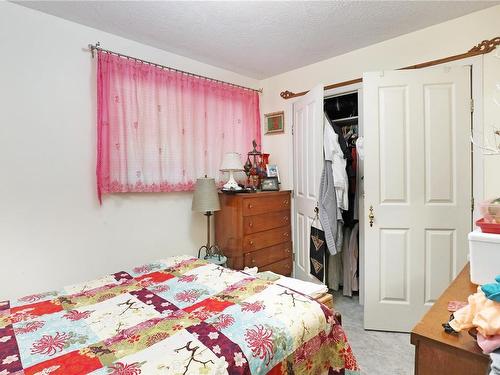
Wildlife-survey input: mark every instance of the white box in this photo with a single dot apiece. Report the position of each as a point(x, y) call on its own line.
point(484, 251)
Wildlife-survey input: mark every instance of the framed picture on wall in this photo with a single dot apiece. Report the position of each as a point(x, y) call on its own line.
point(275, 122)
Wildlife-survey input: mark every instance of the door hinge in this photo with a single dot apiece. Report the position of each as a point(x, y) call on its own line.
point(293, 257)
point(471, 105)
point(292, 128)
point(472, 204)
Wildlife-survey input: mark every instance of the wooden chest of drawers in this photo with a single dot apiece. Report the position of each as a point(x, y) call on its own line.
point(254, 230)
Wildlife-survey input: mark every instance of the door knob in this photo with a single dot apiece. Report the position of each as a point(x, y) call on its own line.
point(371, 216)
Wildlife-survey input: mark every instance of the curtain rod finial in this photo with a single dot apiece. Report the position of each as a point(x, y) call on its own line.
point(94, 47)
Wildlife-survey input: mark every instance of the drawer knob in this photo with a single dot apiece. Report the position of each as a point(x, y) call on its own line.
point(250, 242)
point(250, 224)
point(285, 202)
point(287, 251)
point(253, 261)
point(285, 234)
point(250, 205)
point(285, 218)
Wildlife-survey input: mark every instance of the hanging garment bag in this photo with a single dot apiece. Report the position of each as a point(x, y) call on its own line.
point(317, 250)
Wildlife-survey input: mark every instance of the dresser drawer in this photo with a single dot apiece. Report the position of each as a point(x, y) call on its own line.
point(268, 255)
point(260, 205)
point(268, 238)
point(259, 223)
point(283, 267)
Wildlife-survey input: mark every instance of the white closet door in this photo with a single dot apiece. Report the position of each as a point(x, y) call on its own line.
point(307, 168)
point(418, 181)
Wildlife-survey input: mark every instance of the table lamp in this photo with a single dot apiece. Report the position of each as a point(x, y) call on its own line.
point(231, 163)
point(206, 200)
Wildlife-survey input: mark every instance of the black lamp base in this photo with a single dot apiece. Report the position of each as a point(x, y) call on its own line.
point(210, 250)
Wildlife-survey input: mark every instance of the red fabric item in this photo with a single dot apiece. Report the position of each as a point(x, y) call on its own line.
point(354, 154)
point(38, 309)
point(70, 363)
point(159, 130)
point(210, 304)
point(155, 277)
point(352, 179)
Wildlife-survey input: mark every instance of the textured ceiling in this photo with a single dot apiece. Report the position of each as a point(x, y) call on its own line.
point(258, 39)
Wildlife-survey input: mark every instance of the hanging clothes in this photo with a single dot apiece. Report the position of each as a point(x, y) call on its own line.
point(353, 257)
point(334, 277)
point(328, 207)
point(340, 138)
point(360, 147)
point(346, 264)
point(334, 153)
point(340, 141)
point(353, 186)
point(350, 214)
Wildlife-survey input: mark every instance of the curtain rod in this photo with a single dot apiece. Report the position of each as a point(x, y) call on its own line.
point(486, 46)
point(97, 47)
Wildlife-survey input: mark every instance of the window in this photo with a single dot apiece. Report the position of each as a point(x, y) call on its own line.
point(159, 130)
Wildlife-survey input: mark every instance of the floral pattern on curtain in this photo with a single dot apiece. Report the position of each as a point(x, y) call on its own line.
point(159, 130)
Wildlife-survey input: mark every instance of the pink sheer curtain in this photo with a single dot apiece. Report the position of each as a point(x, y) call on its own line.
point(159, 130)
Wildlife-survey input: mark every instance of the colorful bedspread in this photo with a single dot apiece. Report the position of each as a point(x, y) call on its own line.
point(180, 315)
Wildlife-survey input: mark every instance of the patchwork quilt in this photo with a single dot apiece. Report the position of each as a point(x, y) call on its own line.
point(179, 315)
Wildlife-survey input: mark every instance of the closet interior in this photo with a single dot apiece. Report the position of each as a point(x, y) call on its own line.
point(341, 114)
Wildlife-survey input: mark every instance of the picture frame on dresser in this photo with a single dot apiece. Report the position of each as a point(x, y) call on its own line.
point(253, 230)
point(273, 171)
point(270, 184)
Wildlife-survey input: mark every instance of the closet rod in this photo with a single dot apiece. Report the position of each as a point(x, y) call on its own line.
point(97, 47)
point(486, 46)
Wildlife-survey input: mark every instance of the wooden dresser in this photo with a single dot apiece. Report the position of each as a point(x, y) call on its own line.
point(254, 230)
point(440, 353)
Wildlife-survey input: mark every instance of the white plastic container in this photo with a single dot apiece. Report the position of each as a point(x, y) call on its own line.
point(484, 251)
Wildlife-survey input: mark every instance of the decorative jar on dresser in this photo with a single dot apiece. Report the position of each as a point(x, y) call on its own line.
point(253, 230)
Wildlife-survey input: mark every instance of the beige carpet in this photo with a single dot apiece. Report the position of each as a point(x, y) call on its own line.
point(378, 353)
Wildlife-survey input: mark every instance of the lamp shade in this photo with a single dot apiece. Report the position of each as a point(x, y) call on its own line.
point(205, 196)
point(231, 162)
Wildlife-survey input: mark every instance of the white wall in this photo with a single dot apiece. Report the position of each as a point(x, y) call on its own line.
point(446, 39)
point(52, 230)
point(491, 73)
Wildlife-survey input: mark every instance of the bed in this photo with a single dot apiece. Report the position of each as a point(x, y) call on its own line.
point(179, 315)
